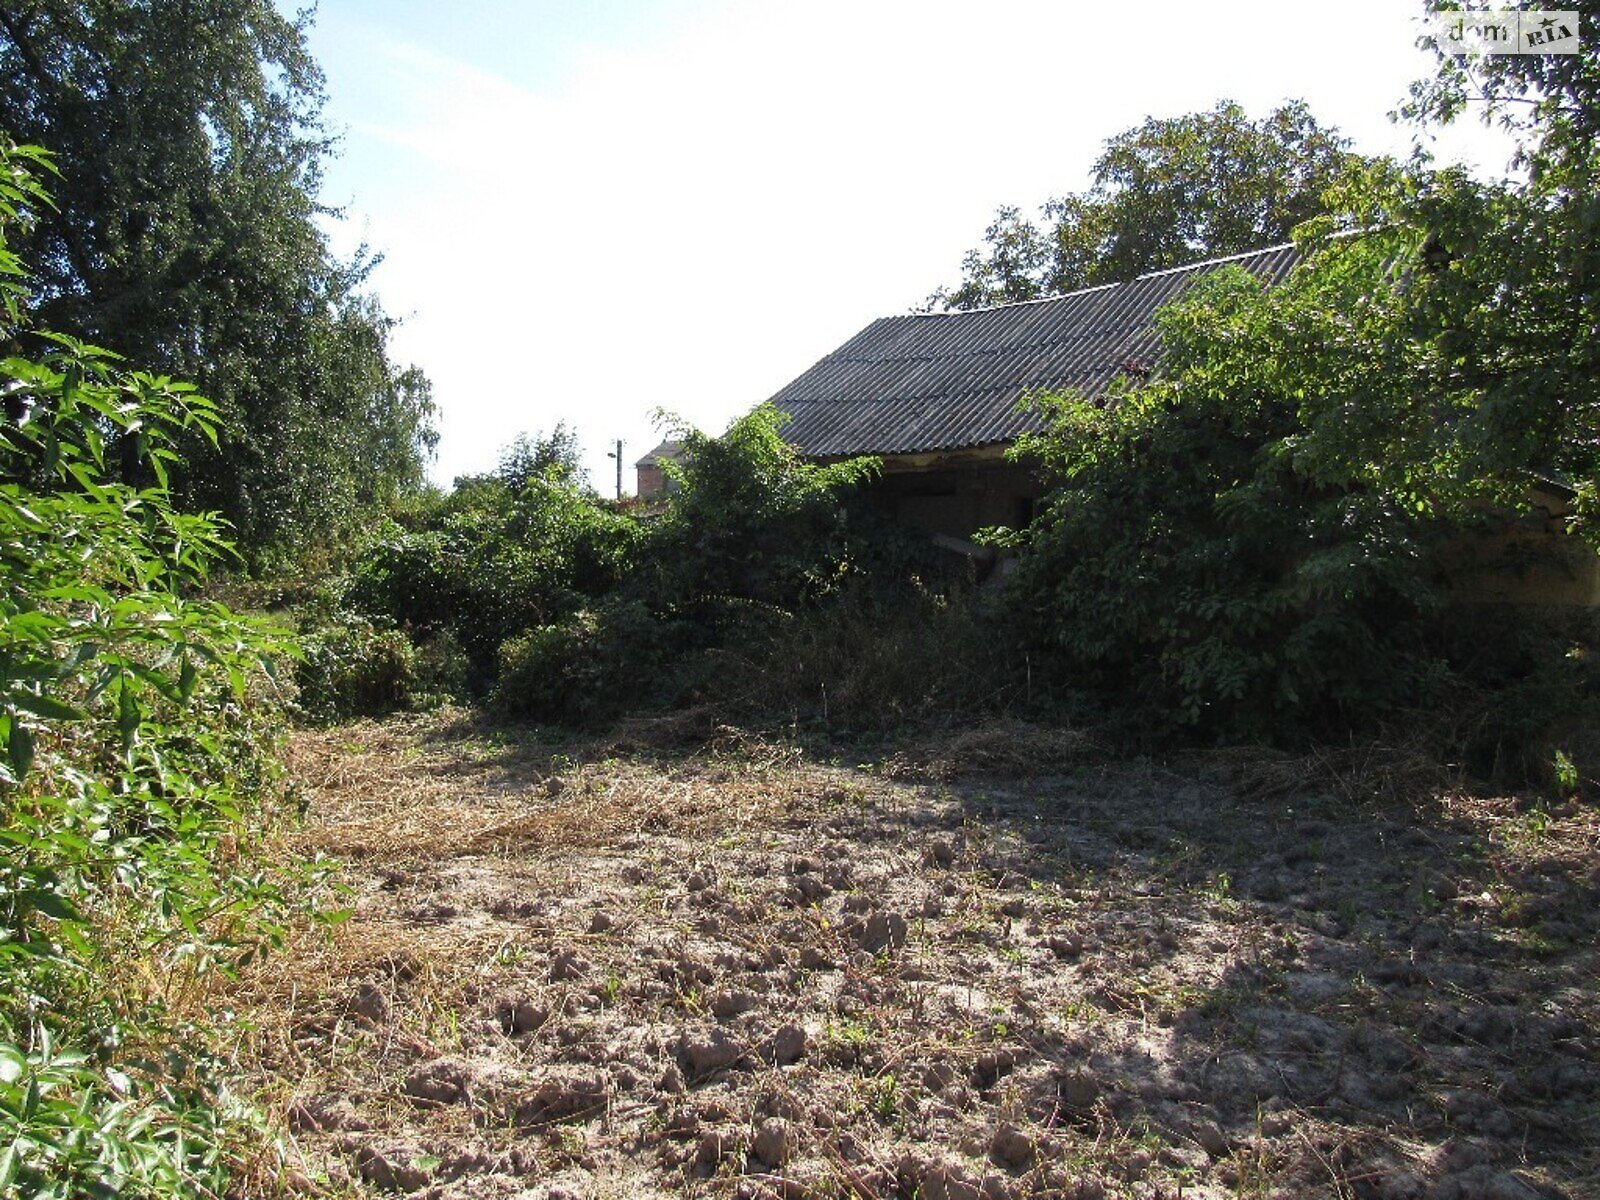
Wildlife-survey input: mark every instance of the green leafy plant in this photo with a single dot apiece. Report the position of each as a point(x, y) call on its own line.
point(504, 553)
point(190, 238)
point(1566, 775)
point(135, 771)
point(1254, 544)
point(1197, 554)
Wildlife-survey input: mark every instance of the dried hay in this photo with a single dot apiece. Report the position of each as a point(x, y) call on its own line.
point(378, 791)
point(1357, 774)
point(679, 729)
point(1004, 747)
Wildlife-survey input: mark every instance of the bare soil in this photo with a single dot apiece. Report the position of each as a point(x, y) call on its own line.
point(1001, 966)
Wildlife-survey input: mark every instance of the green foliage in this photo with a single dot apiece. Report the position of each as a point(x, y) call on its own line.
point(1169, 192)
point(1509, 305)
point(187, 239)
point(593, 665)
point(353, 669)
point(1497, 328)
point(538, 457)
point(134, 753)
point(885, 652)
point(570, 608)
point(1207, 552)
point(757, 588)
point(750, 532)
point(1551, 102)
point(1247, 542)
point(1523, 691)
point(492, 561)
point(1566, 775)
point(750, 520)
point(1246, 545)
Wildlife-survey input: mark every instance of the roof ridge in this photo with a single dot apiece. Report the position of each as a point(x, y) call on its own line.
point(1100, 287)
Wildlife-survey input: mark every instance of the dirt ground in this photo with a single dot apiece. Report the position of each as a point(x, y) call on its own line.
point(1004, 966)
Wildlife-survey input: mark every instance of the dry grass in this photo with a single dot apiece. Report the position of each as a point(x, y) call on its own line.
point(382, 791)
point(1007, 748)
point(1358, 774)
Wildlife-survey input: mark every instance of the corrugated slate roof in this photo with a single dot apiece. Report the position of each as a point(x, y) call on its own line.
point(948, 381)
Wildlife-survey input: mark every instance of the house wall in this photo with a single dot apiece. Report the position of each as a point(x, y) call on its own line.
point(1525, 560)
point(957, 495)
point(652, 482)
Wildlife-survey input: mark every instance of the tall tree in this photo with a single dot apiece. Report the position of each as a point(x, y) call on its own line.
point(1516, 267)
point(1550, 101)
point(1166, 193)
point(186, 237)
point(557, 456)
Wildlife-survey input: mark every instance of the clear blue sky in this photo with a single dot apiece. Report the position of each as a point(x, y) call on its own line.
point(591, 209)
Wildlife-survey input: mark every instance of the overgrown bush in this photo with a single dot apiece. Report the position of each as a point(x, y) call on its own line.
point(1523, 694)
point(750, 534)
point(1195, 563)
point(749, 520)
point(883, 654)
point(493, 560)
point(351, 668)
point(760, 586)
point(135, 774)
point(1244, 547)
point(591, 666)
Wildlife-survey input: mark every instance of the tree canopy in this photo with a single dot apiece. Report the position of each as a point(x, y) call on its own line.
point(1514, 285)
point(1168, 192)
point(556, 455)
point(1251, 536)
point(186, 236)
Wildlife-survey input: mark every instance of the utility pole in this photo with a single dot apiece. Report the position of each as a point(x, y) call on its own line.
point(618, 456)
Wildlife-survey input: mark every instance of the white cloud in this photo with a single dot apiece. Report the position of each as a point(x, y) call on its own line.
point(690, 220)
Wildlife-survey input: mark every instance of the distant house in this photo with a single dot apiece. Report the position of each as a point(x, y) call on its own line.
point(936, 395)
point(652, 479)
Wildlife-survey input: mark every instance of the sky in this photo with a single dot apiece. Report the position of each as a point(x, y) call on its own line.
point(594, 211)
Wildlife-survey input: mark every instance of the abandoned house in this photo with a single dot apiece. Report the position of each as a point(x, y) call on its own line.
point(937, 395)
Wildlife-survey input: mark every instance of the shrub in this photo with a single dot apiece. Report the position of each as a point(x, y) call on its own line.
point(1245, 547)
point(493, 561)
point(593, 665)
point(551, 673)
point(1523, 692)
point(135, 775)
point(351, 668)
point(761, 595)
point(1200, 566)
point(876, 657)
point(749, 519)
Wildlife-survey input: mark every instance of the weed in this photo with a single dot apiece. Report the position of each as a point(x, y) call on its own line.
point(510, 954)
point(886, 1098)
point(1565, 772)
point(1220, 892)
point(1082, 1010)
